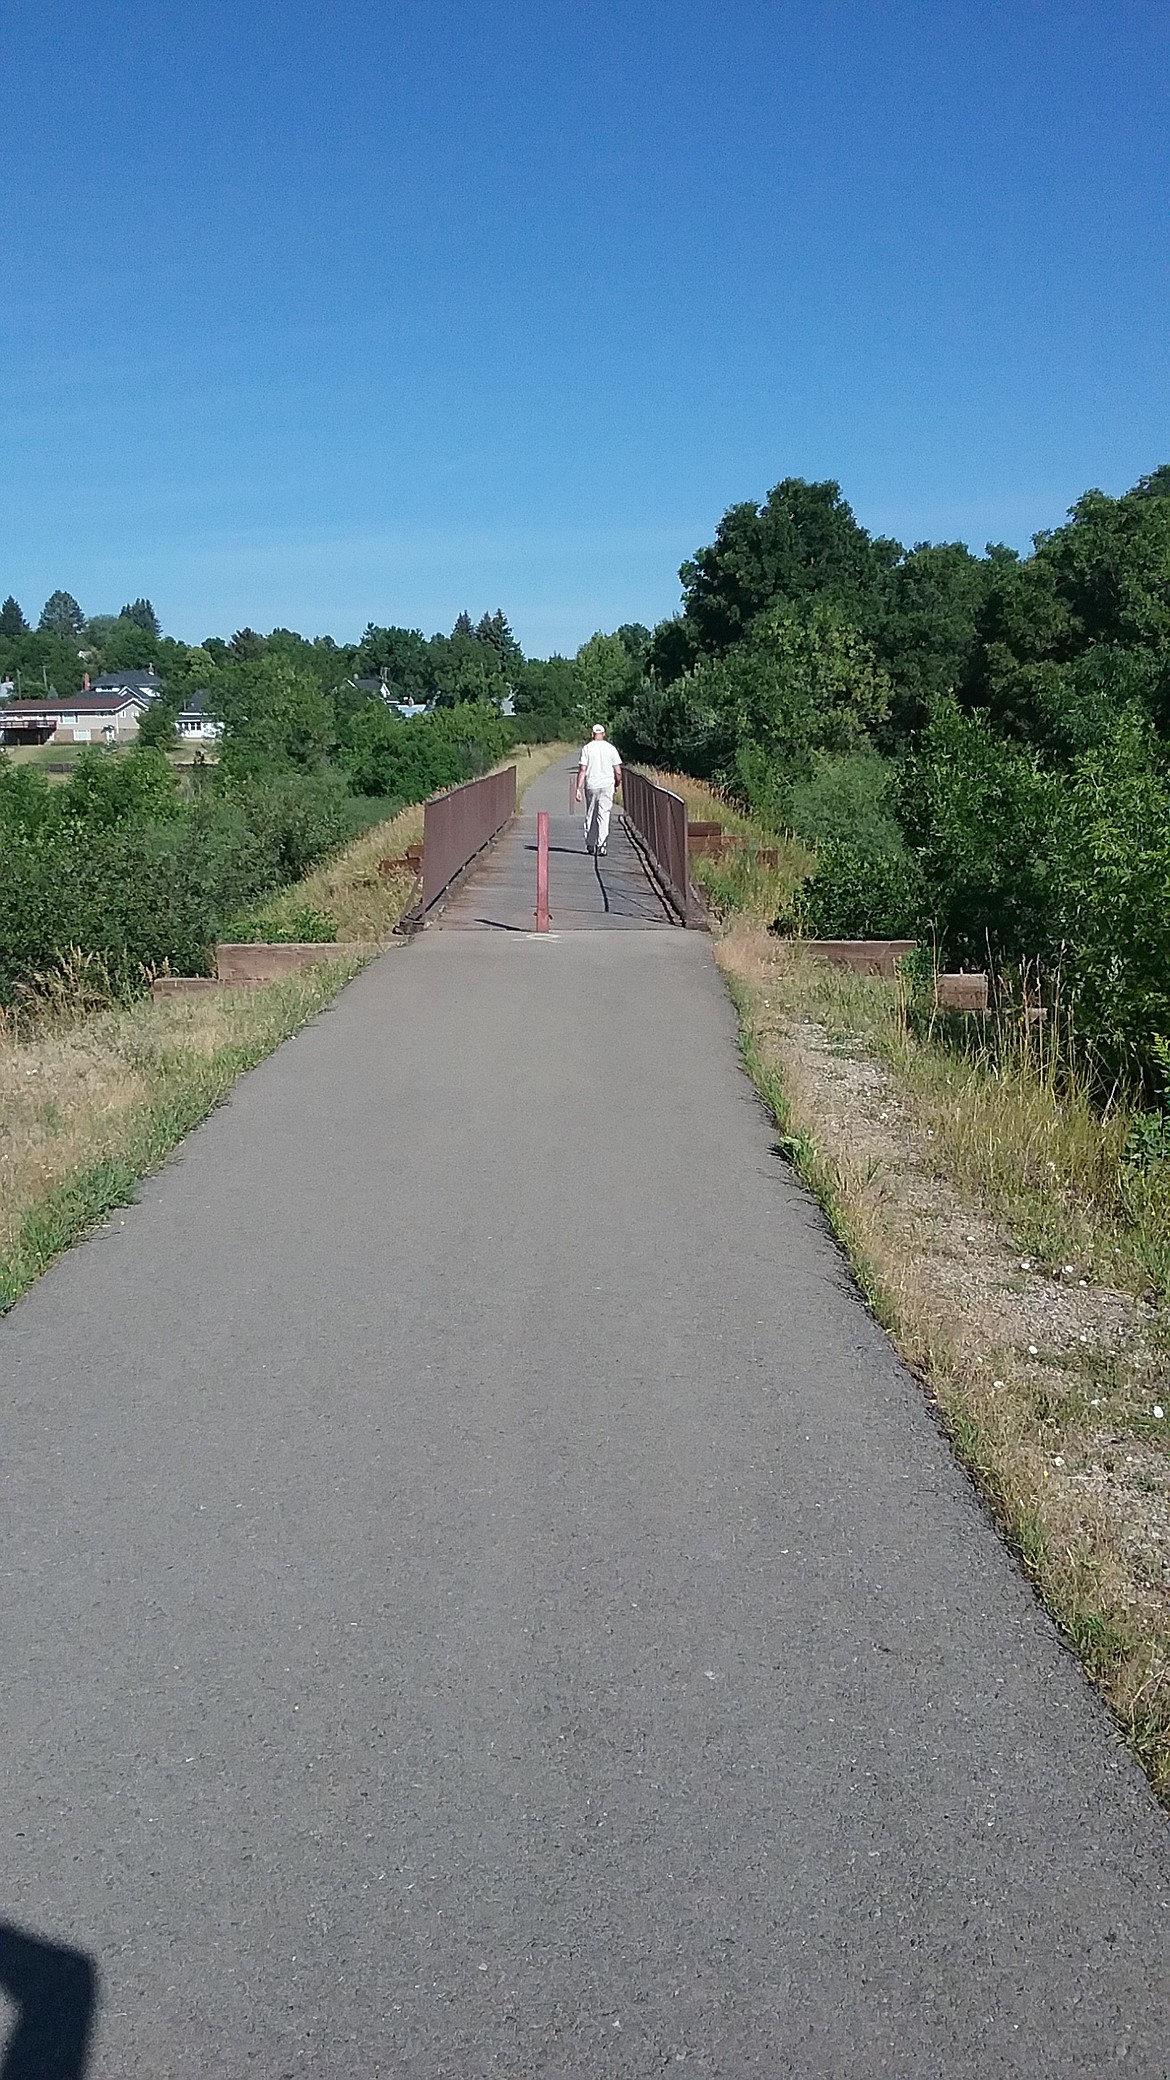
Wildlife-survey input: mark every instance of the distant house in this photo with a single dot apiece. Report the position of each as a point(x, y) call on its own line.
point(81, 718)
point(379, 683)
point(194, 724)
point(146, 682)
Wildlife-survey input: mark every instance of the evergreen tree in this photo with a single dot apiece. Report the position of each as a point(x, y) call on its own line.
point(463, 625)
point(494, 629)
point(61, 616)
point(143, 615)
point(12, 621)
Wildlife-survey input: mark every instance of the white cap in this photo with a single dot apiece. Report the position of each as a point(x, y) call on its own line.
point(599, 729)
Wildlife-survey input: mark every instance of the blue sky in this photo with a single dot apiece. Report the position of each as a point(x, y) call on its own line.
point(320, 314)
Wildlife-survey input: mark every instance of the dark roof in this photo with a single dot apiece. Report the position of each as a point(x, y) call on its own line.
point(196, 703)
point(75, 704)
point(120, 682)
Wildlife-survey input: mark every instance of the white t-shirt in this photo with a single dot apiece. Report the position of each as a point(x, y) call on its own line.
point(600, 763)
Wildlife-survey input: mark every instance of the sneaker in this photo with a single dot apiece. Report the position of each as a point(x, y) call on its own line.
point(601, 850)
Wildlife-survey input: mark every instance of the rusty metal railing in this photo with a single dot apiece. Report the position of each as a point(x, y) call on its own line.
point(456, 828)
point(658, 820)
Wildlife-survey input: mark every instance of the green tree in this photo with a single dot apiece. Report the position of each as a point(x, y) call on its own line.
point(802, 543)
point(988, 826)
point(549, 689)
point(12, 621)
point(801, 683)
point(673, 649)
point(1081, 625)
point(607, 675)
point(125, 646)
point(848, 800)
point(676, 725)
point(493, 629)
point(1116, 899)
point(274, 715)
point(410, 760)
point(466, 669)
point(108, 788)
point(62, 617)
point(402, 656)
point(636, 639)
point(143, 615)
point(925, 627)
point(156, 726)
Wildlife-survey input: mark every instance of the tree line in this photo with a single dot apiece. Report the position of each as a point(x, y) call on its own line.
point(975, 746)
point(477, 662)
point(145, 864)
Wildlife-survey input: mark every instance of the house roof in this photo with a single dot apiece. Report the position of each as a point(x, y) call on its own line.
point(118, 682)
point(196, 703)
point(78, 704)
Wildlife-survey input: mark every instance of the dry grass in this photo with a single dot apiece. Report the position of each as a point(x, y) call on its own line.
point(736, 885)
point(1046, 1369)
point(1016, 1125)
point(360, 902)
point(88, 1104)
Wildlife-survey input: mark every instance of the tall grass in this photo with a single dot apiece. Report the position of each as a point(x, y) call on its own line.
point(1017, 1117)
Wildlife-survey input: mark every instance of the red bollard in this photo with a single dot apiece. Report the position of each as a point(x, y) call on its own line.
point(542, 870)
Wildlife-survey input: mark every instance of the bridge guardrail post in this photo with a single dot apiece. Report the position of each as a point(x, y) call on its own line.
point(542, 870)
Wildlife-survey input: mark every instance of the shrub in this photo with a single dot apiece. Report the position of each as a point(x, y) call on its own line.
point(848, 801)
point(115, 864)
point(383, 755)
point(1116, 896)
point(855, 893)
point(987, 824)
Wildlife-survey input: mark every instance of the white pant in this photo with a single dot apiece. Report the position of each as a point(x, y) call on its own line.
point(598, 803)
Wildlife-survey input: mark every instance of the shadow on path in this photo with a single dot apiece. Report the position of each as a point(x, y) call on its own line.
point(54, 1991)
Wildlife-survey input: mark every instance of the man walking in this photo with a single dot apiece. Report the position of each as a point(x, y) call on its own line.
point(599, 772)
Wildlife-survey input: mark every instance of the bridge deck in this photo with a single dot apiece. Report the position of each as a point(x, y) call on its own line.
point(585, 895)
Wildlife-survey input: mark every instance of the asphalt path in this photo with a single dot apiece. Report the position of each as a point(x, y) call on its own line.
point(480, 1597)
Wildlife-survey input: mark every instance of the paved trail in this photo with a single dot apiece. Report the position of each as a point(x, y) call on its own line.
point(480, 1599)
